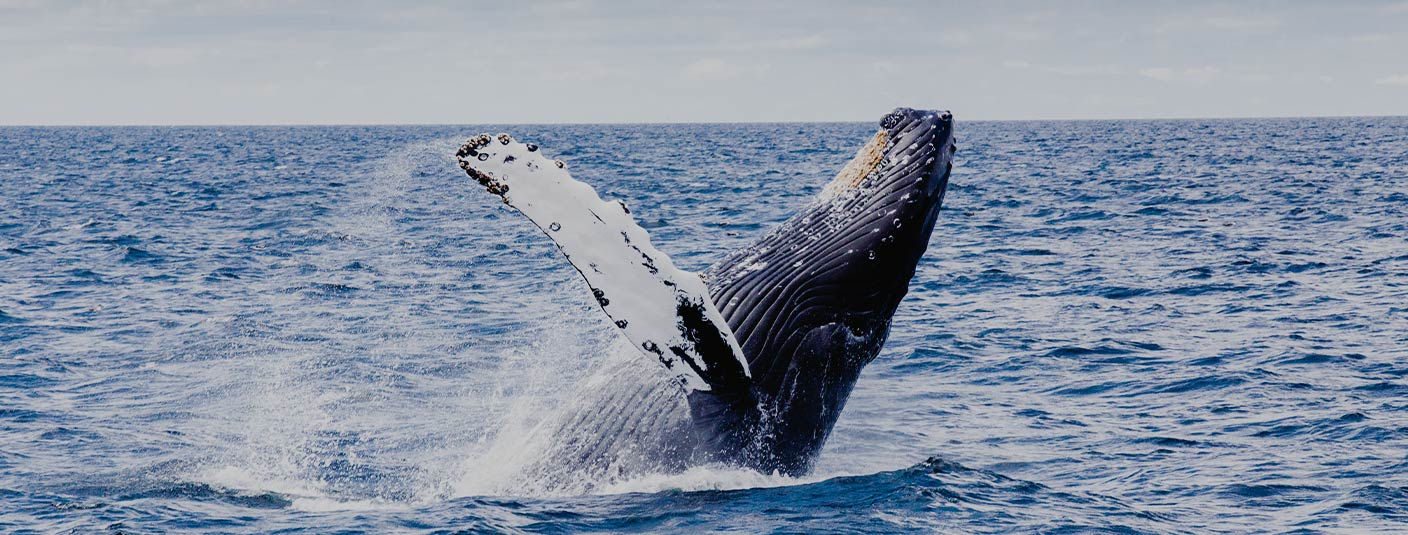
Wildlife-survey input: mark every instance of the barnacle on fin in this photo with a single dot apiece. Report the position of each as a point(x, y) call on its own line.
point(472, 145)
point(889, 121)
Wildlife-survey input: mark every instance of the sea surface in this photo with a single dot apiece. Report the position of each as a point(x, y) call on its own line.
point(1120, 327)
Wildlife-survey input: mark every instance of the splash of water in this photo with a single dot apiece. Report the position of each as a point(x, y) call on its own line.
point(334, 426)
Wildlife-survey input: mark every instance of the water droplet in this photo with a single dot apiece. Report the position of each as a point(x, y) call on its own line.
point(871, 255)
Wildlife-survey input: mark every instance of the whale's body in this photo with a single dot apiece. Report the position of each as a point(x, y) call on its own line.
point(759, 359)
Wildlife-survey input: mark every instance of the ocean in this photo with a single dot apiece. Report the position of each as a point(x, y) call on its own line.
point(1191, 326)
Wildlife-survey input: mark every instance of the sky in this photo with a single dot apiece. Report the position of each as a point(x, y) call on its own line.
point(93, 62)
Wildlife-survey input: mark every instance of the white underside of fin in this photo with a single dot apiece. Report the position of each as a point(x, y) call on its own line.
point(637, 286)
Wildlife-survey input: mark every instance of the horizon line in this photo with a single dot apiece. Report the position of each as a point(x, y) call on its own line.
point(630, 123)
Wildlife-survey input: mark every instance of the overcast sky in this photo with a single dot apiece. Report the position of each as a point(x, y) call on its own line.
point(256, 62)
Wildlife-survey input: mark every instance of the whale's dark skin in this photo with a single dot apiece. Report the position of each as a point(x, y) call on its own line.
point(820, 309)
point(810, 305)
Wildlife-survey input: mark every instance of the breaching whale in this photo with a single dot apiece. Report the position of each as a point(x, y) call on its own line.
point(757, 354)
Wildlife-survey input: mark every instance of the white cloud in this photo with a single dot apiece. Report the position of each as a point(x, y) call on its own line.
point(712, 70)
point(1163, 74)
point(1242, 23)
point(558, 8)
point(159, 57)
point(1064, 70)
point(172, 61)
point(1371, 38)
point(580, 72)
point(885, 67)
point(1400, 7)
point(810, 42)
point(1194, 75)
point(20, 4)
point(956, 39)
point(1200, 75)
point(1081, 70)
point(1021, 34)
point(1397, 79)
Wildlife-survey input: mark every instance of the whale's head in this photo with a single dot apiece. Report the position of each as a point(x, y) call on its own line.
point(872, 223)
point(910, 155)
point(811, 302)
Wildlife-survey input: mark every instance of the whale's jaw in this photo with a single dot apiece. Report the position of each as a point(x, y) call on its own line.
point(811, 302)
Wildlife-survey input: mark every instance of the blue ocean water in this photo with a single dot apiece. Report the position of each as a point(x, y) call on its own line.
point(1120, 327)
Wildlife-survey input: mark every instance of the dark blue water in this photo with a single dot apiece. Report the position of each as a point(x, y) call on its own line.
point(1120, 327)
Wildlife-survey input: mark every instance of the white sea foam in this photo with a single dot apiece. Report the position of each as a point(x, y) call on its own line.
point(708, 477)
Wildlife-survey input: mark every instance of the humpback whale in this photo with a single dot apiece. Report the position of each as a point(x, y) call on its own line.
point(757, 354)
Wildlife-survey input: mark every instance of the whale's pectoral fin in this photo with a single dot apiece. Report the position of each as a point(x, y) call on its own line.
point(665, 311)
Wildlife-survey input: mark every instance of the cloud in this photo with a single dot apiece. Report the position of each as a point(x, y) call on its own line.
point(1400, 7)
point(1195, 75)
point(956, 39)
point(148, 52)
point(6, 5)
point(1397, 79)
point(712, 70)
point(160, 57)
point(886, 67)
point(578, 72)
point(1200, 75)
point(1081, 70)
point(810, 42)
point(1163, 74)
point(558, 8)
point(1242, 23)
point(1022, 34)
point(1063, 70)
point(1371, 38)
